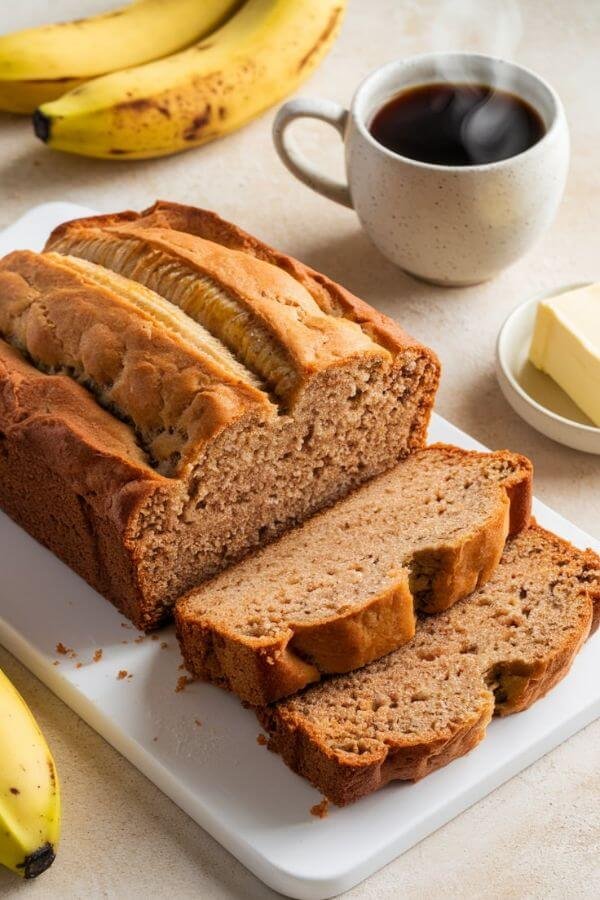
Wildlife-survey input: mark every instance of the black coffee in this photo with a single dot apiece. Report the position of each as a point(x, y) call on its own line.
point(457, 124)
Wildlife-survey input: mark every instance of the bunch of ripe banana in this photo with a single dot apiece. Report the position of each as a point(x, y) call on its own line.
point(160, 76)
point(29, 792)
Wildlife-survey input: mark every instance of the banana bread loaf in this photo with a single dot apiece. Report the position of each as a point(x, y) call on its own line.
point(163, 415)
point(341, 590)
point(496, 652)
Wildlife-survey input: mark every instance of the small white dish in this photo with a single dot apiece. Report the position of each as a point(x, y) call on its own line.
point(533, 395)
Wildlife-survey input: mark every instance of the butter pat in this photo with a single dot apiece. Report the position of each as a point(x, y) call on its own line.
point(566, 345)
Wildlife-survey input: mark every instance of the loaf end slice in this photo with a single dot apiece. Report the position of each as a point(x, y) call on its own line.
point(496, 652)
point(342, 589)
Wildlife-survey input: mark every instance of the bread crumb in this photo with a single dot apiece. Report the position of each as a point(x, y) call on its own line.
point(262, 740)
point(126, 625)
point(124, 642)
point(60, 648)
point(72, 654)
point(140, 639)
point(56, 662)
point(123, 673)
point(79, 665)
point(198, 722)
point(182, 683)
point(153, 637)
point(155, 738)
point(97, 655)
point(181, 666)
point(130, 675)
point(164, 645)
point(320, 810)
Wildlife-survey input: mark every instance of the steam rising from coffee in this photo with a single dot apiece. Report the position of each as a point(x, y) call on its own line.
point(494, 27)
point(467, 112)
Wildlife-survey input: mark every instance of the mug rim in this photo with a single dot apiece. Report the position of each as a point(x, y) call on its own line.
point(557, 110)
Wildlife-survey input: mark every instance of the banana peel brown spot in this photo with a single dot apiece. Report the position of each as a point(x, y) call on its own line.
point(193, 130)
point(323, 37)
point(142, 104)
point(53, 80)
point(52, 772)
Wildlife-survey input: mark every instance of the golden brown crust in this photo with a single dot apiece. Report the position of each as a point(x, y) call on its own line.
point(330, 298)
point(173, 395)
point(345, 778)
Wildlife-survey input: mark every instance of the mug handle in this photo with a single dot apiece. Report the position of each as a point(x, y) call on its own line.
point(294, 160)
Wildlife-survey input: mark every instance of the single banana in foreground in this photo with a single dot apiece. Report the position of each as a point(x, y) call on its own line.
point(29, 791)
point(258, 57)
point(41, 64)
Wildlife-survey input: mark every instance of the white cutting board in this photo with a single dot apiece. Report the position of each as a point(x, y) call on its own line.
point(216, 771)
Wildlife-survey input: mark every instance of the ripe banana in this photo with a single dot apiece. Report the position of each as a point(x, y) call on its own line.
point(40, 64)
point(29, 792)
point(258, 57)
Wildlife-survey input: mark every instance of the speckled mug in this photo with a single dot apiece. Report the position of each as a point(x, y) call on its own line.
point(452, 225)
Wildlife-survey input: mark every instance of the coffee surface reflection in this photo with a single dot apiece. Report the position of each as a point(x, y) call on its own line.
point(457, 124)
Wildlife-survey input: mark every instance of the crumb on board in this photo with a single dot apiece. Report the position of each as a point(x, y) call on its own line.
point(155, 738)
point(97, 655)
point(60, 648)
point(123, 673)
point(79, 665)
point(139, 639)
point(126, 625)
point(198, 722)
point(163, 645)
point(182, 683)
point(153, 637)
point(262, 740)
point(56, 662)
point(320, 810)
point(124, 642)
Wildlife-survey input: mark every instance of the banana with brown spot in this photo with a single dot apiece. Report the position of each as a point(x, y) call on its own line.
point(258, 57)
point(29, 791)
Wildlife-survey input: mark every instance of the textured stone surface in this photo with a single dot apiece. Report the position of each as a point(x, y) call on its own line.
point(538, 835)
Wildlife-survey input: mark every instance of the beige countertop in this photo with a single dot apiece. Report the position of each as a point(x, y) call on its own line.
point(538, 835)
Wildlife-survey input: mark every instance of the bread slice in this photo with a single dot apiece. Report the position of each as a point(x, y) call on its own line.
point(429, 702)
point(341, 590)
point(238, 398)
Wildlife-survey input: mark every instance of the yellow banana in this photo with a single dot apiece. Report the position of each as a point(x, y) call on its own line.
point(39, 64)
point(258, 57)
point(29, 791)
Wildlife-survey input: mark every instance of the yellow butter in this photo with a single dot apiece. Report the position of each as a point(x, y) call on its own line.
point(566, 345)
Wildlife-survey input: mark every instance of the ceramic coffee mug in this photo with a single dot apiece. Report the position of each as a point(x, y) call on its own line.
point(453, 225)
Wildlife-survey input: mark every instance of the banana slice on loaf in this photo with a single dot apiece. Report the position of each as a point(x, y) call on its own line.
point(342, 589)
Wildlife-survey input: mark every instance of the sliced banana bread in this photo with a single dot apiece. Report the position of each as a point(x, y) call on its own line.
point(429, 702)
point(341, 590)
point(151, 440)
